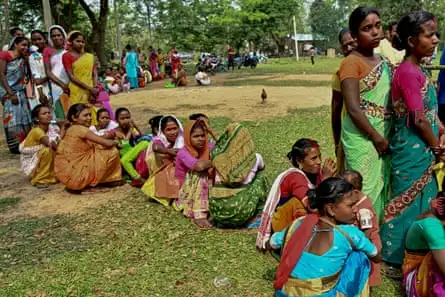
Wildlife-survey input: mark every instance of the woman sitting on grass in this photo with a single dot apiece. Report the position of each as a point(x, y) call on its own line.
point(180, 77)
point(323, 254)
point(193, 172)
point(162, 184)
point(83, 158)
point(424, 263)
point(105, 126)
point(287, 198)
point(38, 150)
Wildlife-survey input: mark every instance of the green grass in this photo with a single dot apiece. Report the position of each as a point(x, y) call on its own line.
point(138, 248)
point(8, 202)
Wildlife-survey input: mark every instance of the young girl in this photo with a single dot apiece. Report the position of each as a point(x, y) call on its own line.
point(163, 185)
point(83, 158)
point(105, 126)
point(418, 134)
point(365, 84)
point(324, 254)
point(38, 151)
point(193, 172)
point(356, 180)
point(128, 135)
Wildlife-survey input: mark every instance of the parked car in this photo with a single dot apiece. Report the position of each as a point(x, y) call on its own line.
point(186, 57)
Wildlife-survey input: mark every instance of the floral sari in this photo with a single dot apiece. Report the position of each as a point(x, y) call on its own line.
point(413, 185)
point(360, 153)
point(16, 118)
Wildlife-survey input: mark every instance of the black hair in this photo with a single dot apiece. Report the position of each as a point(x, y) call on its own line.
point(101, 111)
point(341, 34)
point(35, 112)
point(198, 124)
point(167, 119)
point(196, 116)
point(358, 16)
point(20, 39)
point(128, 47)
point(356, 179)
point(299, 148)
point(14, 30)
point(411, 26)
point(38, 32)
point(391, 25)
point(75, 110)
point(154, 122)
point(331, 190)
point(121, 110)
point(75, 35)
point(101, 73)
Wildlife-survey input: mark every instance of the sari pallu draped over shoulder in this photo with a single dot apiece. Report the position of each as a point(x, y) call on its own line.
point(359, 151)
point(413, 184)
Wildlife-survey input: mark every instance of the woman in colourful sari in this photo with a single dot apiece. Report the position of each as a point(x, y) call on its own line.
point(38, 150)
point(56, 72)
point(287, 198)
point(424, 262)
point(153, 63)
point(81, 69)
point(84, 159)
point(365, 84)
point(175, 61)
point(161, 62)
point(131, 67)
point(324, 254)
point(16, 113)
point(38, 73)
point(416, 136)
point(193, 166)
point(163, 185)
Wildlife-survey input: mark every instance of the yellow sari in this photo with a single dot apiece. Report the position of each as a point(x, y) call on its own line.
point(83, 71)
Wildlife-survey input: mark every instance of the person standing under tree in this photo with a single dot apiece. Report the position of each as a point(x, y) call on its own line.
point(231, 58)
point(312, 51)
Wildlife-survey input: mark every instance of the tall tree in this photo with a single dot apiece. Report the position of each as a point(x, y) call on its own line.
point(326, 20)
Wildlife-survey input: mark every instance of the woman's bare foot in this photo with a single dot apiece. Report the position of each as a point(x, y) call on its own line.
point(203, 224)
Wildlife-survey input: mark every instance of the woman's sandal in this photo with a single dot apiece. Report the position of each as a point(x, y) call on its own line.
point(203, 224)
point(42, 186)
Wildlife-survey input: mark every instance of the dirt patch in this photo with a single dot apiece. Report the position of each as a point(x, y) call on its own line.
point(283, 76)
point(239, 103)
point(57, 201)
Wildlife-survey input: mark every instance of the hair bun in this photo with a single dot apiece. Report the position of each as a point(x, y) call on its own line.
point(312, 198)
point(397, 43)
point(289, 155)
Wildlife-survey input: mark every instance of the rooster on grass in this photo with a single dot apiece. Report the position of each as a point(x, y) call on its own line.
point(263, 96)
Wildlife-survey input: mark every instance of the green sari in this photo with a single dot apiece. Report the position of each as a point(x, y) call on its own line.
point(412, 182)
point(360, 153)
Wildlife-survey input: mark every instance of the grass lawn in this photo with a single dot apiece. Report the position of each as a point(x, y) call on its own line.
point(134, 247)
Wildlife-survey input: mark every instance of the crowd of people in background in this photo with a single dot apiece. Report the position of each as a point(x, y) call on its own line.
point(329, 224)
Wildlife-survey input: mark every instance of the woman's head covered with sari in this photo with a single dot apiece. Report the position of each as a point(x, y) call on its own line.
point(305, 155)
point(170, 136)
point(57, 36)
point(196, 139)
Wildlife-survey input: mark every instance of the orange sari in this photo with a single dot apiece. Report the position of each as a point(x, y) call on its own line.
point(80, 163)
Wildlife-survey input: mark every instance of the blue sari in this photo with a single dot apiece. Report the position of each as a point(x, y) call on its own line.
point(16, 118)
point(413, 183)
point(131, 66)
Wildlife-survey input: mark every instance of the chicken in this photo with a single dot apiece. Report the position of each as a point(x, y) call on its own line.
point(263, 96)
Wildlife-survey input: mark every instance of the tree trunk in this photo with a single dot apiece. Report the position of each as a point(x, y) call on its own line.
point(118, 29)
point(5, 36)
point(70, 16)
point(147, 5)
point(47, 13)
point(99, 26)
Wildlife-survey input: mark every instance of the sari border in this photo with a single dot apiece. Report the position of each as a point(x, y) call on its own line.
point(399, 204)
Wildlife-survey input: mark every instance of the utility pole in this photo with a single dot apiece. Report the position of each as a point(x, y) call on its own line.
point(47, 13)
point(118, 30)
point(296, 41)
